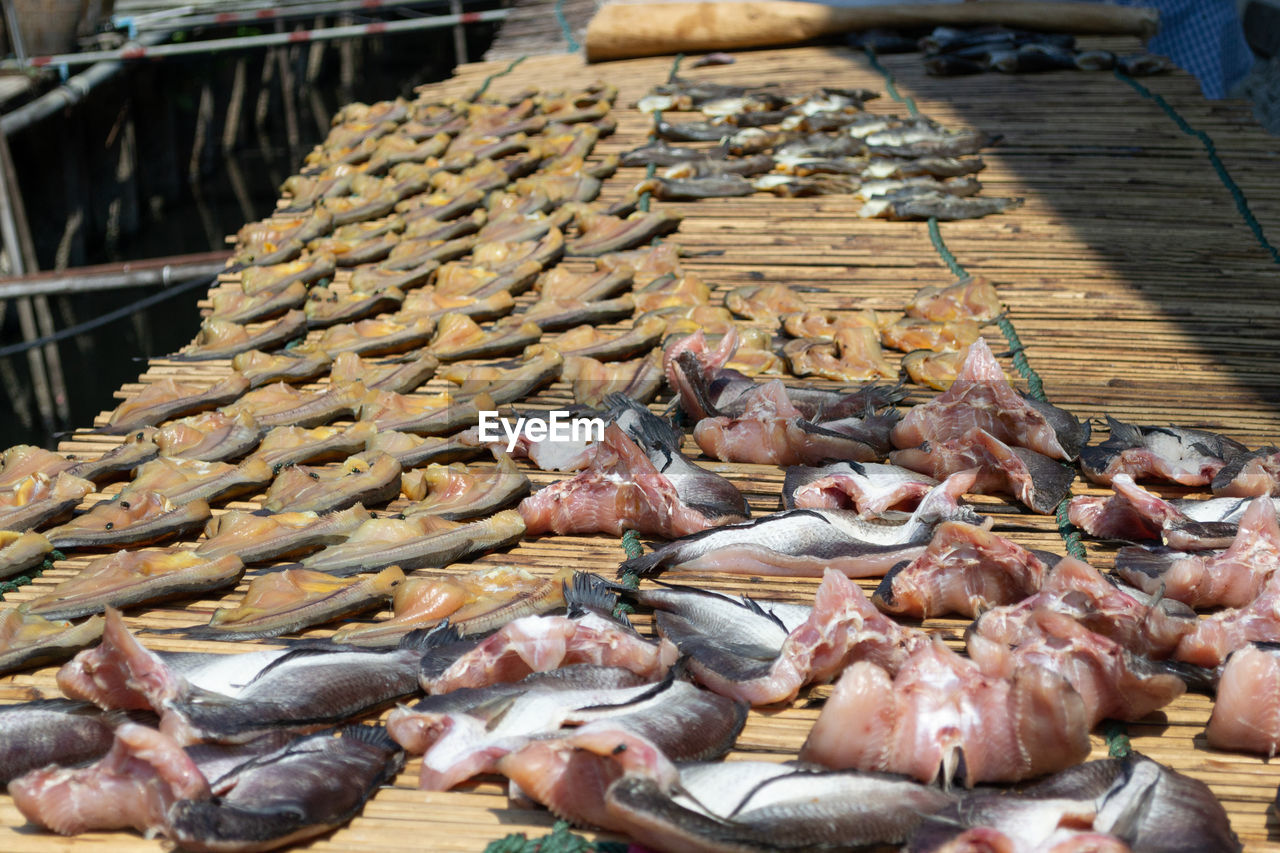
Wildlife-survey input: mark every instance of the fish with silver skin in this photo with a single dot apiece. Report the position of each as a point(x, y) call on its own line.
point(703, 490)
point(236, 698)
point(919, 203)
point(471, 742)
point(805, 542)
point(1230, 578)
point(570, 773)
point(765, 652)
point(539, 644)
point(1133, 513)
point(745, 806)
point(622, 490)
point(1135, 801)
point(51, 731)
point(1189, 457)
point(316, 783)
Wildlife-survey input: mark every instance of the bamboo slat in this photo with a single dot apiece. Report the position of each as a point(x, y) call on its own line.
point(1129, 275)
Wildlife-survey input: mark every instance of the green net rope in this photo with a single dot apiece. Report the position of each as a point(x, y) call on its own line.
point(1035, 385)
point(565, 28)
point(1237, 194)
point(484, 86)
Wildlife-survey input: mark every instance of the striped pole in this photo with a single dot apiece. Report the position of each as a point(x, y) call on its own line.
point(134, 51)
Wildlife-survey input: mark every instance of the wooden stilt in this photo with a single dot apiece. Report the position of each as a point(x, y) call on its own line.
point(231, 129)
point(14, 390)
point(290, 102)
point(34, 316)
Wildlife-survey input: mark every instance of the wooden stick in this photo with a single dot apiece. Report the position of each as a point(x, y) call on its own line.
point(626, 31)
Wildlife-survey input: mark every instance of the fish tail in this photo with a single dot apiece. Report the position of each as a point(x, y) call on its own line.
point(424, 639)
point(590, 592)
point(646, 565)
point(373, 735)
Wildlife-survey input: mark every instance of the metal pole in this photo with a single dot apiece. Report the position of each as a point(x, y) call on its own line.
point(136, 51)
point(68, 94)
point(257, 13)
point(17, 289)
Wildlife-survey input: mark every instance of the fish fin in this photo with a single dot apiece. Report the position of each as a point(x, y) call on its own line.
point(437, 635)
point(698, 383)
point(1146, 561)
point(644, 565)
point(375, 736)
point(1121, 432)
point(883, 595)
point(589, 592)
point(644, 427)
point(755, 607)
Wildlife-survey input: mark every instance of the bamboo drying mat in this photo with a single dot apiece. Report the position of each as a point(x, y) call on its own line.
point(1129, 274)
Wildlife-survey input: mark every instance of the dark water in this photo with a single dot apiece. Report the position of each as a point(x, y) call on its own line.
point(133, 173)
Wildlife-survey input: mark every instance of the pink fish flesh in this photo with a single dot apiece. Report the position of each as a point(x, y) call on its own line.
point(620, 491)
point(1230, 578)
point(982, 398)
point(1246, 713)
point(963, 570)
point(542, 643)
point(1112, 682)
point(1142, 624)
point(942, 717)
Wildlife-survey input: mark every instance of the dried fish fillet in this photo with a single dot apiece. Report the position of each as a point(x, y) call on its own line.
point(209, 436)
point(21, 551)
point(414, 543)
point(220, 339)
point(186, 480)
point(233, 305)
point(475, 604)
point(459, 337)
point(39, 499)
point(293, 364)
point(283, 405)
point(640, 379)
point(457, 492)
point(365, 478)
point(401, 375)
point(167, 398)
point(142, 517)
point(604, 346)
point(289, 601)
point(968, 299)
point(277, 277)
point(30, 640)
point(853, 355)
point(128, 578)
point(377, 336)
point(256, 538)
